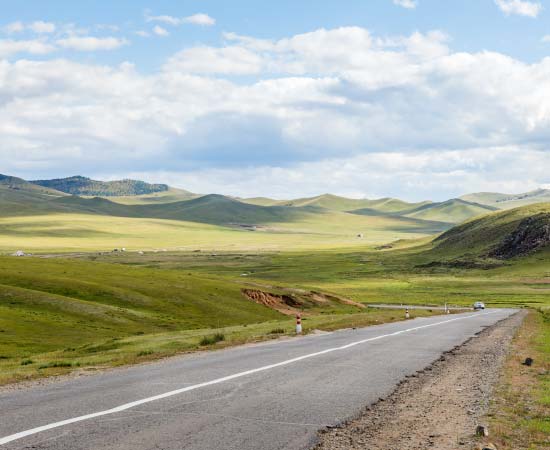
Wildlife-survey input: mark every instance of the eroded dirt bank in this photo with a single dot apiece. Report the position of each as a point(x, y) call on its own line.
point(439, 407)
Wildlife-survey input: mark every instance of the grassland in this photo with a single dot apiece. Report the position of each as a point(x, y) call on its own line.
point(69, 232)
point(521, 409)
point(81, 306)
point(59, 315)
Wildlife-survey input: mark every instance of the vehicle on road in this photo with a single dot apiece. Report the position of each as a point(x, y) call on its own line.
point(479, 305)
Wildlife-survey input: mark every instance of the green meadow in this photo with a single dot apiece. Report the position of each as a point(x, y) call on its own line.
point(183, 282)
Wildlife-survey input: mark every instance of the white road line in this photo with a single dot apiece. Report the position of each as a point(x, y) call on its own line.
point(130, 405)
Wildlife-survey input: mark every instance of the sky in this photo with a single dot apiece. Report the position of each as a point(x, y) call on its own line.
point(416, 99)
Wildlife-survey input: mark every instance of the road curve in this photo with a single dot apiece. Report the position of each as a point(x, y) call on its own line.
point(273, 395)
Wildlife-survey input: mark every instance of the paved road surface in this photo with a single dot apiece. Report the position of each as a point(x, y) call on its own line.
point(268, 396)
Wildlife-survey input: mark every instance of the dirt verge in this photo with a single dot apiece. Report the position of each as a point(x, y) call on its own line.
point(439, 407)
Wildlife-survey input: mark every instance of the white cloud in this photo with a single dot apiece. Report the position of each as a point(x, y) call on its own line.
point(90, 43)
point(14, 27)
point(200, 19)
point(195, 19)
point(143, 33)
point(209, 60)
point(434, 175)
point(38, 27)
point(41, 27)
point(170, 20)
point(546, 38)
point(340, 107)
point(159, 31)
point(409, 4)
point(9, 47)
point(519, 7)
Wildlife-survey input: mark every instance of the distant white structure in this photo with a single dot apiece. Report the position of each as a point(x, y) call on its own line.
point(19, 253)
point(360, 236)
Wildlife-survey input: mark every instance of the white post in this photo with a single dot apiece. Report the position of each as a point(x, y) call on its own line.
point(407, 315)
point(298, 324)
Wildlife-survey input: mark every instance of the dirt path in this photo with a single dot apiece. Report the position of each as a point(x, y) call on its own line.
point(438, 408)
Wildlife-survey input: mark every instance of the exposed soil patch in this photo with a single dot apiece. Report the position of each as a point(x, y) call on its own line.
point(437, 408)
point(282, 303)
point(296, 300)
point(532, 234)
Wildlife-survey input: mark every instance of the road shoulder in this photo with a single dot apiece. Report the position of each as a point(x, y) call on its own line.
point(439, 407)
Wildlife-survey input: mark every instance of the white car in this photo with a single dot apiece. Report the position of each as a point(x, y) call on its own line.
point(479, 305)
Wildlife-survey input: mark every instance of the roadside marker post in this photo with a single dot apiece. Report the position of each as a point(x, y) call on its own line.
point(407, 315)
point(298, 324)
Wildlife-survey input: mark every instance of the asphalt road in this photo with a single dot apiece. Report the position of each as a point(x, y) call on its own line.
point(273, 395)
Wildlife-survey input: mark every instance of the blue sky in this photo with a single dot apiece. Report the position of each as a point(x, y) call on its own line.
point(410, 98)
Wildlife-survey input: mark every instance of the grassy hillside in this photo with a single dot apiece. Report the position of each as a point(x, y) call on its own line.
point(116, 308)
point(32, 220)
point(479, 237)
point(451, 211)
point(336, 203)
point(78, 185)
point(18, 197)
point(58, 315)
point(508, 201)
point(171, 195)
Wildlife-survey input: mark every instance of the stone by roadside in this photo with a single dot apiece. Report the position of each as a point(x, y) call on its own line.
point(440, 407)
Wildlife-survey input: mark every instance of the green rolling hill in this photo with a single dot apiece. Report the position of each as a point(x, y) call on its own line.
point(337, 203)
point(526, 228)
point(451, 211)
point(508, 201)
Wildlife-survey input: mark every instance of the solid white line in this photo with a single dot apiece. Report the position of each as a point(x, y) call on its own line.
point(126, 406)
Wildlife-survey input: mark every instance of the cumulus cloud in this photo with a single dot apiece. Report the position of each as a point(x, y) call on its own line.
point(38, 27)
point(159, 31)
point(42, 27)
point(14, 27)
point(200, 19)
point(9, 47)
point(409, 4)
point(519, 7)
point(195, 19)
point(91, 43)
point(333, 105)
point(420, 175)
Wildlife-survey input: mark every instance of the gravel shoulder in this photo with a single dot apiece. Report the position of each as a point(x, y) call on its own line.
point(439, 407)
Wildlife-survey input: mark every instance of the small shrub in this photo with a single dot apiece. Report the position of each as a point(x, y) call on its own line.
point(56, 364)
point(211, 340)
point(145, 352)
point(26, 362)
point(4, 357)
point(277, 331)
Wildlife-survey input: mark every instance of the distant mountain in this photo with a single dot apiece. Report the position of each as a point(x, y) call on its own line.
point(212, 209)
point(337, 203)
point(451, 211)
point(15, 183)
point(508, 201)
point(79, 185)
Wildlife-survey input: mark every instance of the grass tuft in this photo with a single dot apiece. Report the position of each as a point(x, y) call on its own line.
point(277, 331)
point(211, 340)
point(53, 364)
